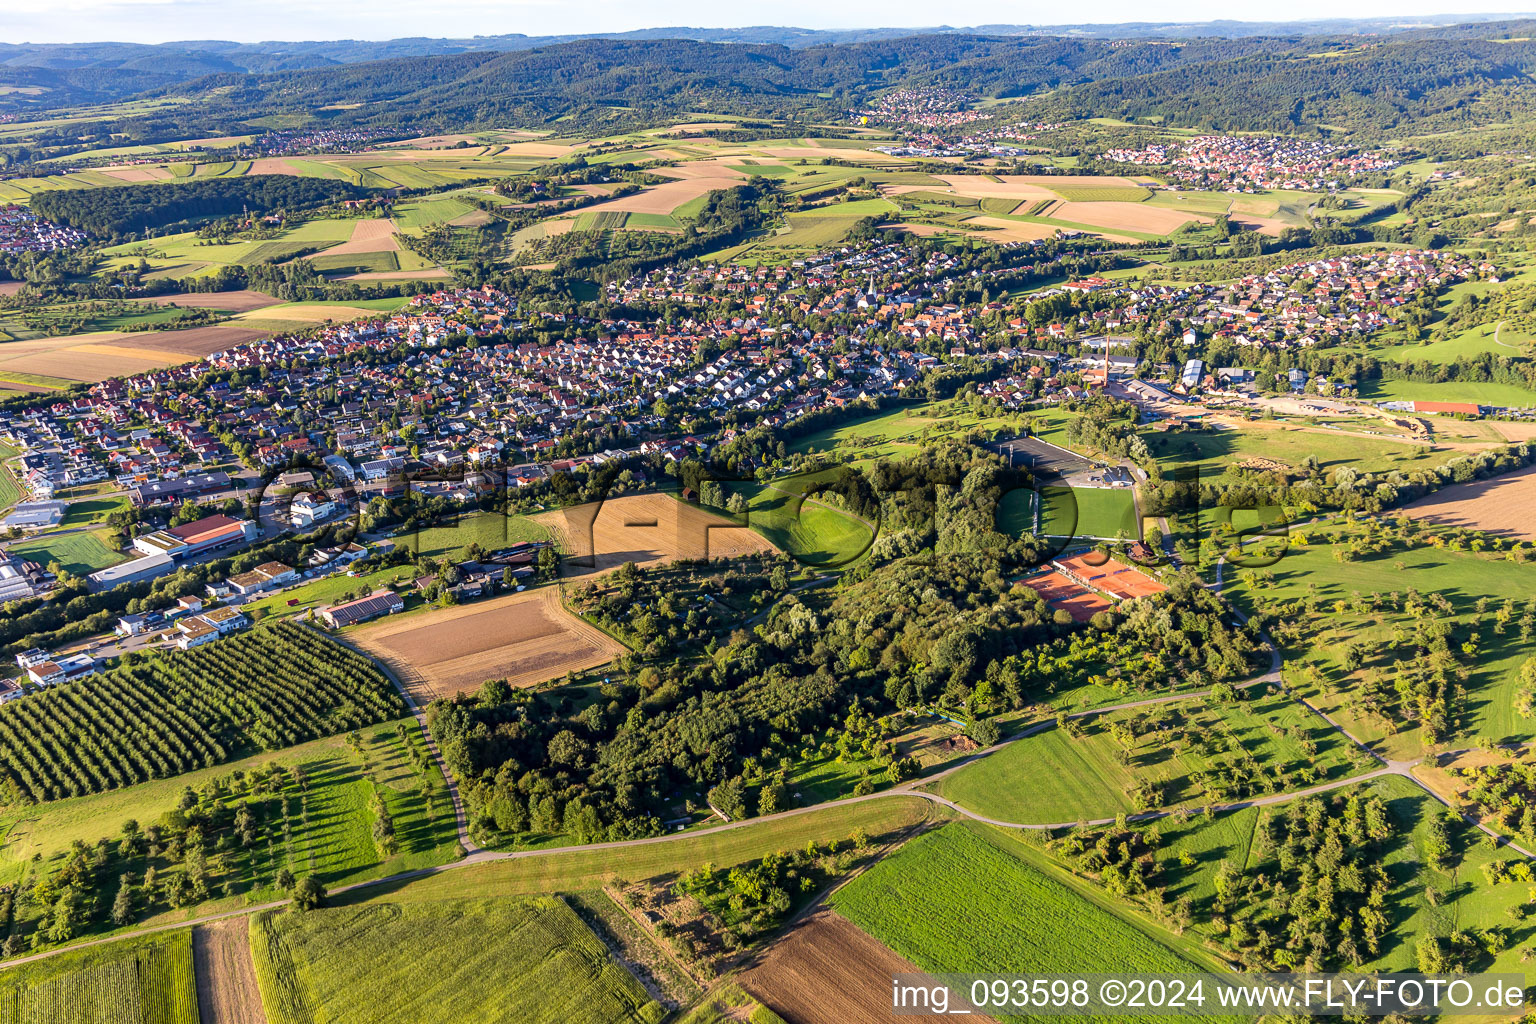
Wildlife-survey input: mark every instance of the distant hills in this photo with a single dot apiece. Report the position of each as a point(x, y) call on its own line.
point(1354, 75)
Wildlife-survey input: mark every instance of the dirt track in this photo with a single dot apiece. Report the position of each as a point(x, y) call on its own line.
point(226, 979)
point(827, 971)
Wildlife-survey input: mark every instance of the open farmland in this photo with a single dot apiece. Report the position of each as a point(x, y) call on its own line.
point(141, 981)
point(828, 970)
point(1191, 753)
point(949, 902)
point(492, 961)
point(647, 529)
point(1502, 505)
point(668, 197)
point(95, 357)
point(524, 638)
point(226, 978)
point(1123, 216)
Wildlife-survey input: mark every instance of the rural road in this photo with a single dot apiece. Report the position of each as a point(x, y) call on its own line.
point(476, 855)
point(461, 821)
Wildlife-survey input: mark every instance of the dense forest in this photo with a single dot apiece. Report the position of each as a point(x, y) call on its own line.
point(143, 209)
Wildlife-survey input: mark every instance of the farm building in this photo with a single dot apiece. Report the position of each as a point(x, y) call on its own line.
point(380, 602)
point(1447, 408)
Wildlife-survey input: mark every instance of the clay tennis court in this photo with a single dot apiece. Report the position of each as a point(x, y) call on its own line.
point(1112, 577)
point(1500, 505)
point(525, 638)
point(1068, 595)
point(829, 971)
point(647, 529)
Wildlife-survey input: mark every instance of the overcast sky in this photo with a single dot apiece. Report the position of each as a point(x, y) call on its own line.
point(155, 21)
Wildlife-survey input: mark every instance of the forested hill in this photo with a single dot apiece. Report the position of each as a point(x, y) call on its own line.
point(1425, 79)
point(663, 76)
point(1427, 84)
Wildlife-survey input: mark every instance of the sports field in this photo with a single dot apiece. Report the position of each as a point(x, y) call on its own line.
point(79, 553)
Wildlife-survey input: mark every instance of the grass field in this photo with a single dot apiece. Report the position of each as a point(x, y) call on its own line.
point(1481, 392)
point(579, 869)
point(969, 899)
point(10, 488)
point(816, 534)
point(519, 961)
point(146, 980)
point(1106, 194)
point(1215, 450)
point(1108, 512)
point(77, 552)
point(489, 530)
point(1461, 576)
point(95, 510)
point(331, 835)
point(1193, 758)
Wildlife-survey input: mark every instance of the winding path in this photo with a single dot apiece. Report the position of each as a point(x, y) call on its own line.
point(476, 855)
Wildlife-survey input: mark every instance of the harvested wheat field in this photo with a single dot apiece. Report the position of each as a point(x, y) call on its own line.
point(242, 301)
point(828, 971)
point(1011, 230)
point(1011, 186)
point(1151, 220)
point(11, 287)
point(316, 313)
point(647, 529)
point(665, 198)
point(137, 174)
point(717, 168)
point(525, 638)
point(102, 354)
point(226, 979)
point(1501, 505)
point(377, 234)
point(1263, 225)
point(434, 274)
point(274, 165)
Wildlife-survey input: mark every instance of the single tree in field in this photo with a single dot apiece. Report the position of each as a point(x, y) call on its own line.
point(308, 894)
